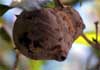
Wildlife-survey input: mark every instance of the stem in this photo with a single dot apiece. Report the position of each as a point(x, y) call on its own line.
point(90, 42)
point(94, 45)
point(96, 26)
point(58, 3)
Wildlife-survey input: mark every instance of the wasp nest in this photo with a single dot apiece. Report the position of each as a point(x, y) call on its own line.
point(47, 33)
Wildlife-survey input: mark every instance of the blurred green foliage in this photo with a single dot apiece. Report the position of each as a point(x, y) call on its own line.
point(36, 65)
point(4, 35)
point(3, 9)
point(4, 67)
point(1, 22)
point(50, 5)
point(71, 2)
point(65, 2)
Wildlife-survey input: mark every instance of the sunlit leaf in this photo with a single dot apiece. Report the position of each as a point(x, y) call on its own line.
point(3, 9)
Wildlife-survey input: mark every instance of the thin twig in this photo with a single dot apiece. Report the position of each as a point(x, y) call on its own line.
point(96, 26)
point(16, 61)
point(95, 45)
point(90, 42)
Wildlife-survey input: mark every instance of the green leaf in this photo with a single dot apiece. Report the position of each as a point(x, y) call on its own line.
point(3, 9)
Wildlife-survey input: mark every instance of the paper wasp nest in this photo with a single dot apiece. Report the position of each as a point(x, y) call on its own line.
point(47, 34)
